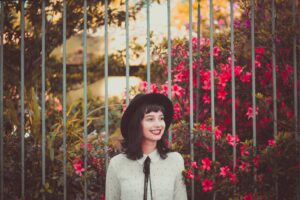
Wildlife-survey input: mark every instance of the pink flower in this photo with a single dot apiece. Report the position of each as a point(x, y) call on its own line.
point(102, 197)
point(190, 174)
point(178, 77)
point(256, 161)
point(164, 89)
point(271, 142)
point(238, 70)
point(221, 95)
point(153, 88)
point(218, 133)
point(244, 166)
point(232, 140)
point(257, 64)
point(243, 151)
point(207, 185)
point(232, 178)
point(206, 99)
point(259, 50)
point(77, 165)
point(177, 90)
point(206, 163)
point(206, 85)
point(224, 171)
point(247, 197)
point(179, 67)
point(245, 77)
point(194, 165)
point(58, 105)
point(88, 146)
point(202, 127)
point(221, 22)
point(143, 86)
point(217, 51)
point(250, 112)
point(177, 111)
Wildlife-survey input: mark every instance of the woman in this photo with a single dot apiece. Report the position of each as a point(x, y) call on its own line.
point(147, 169)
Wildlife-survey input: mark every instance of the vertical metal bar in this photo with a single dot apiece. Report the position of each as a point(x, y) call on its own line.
point(212, 83)
point(169, 60)
point(43, 100)
point(1, 103)
point(274, 83)
point(274, 68)
point(191, 88)
point(85, 93)
point(253, 74)
point(106, 82)
point(148, 47)
point(212, 80)
point(296, 92)
point(233, 80)
point(22, 102)
point(65, 97)
point(198, 62)
point(253, 83)
point(127, 52)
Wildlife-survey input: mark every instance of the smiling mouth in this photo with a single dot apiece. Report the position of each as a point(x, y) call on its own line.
point(156, 132)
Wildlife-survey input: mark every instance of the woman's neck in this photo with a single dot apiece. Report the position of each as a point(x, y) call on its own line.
point(148, 146)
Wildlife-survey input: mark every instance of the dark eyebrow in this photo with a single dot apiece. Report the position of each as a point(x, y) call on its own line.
point(150, 115)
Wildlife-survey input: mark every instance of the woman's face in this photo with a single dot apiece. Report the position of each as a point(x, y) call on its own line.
point(153, 126)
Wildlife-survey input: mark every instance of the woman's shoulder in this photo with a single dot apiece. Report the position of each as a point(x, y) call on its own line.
point(175, 156)
point(117, 159)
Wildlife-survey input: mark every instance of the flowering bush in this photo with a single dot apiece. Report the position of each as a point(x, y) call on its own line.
point(263, 170)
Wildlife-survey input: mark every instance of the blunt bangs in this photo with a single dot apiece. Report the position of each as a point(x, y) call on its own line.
point(153, 108)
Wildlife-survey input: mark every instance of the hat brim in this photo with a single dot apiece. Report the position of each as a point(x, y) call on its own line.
point(141, 99)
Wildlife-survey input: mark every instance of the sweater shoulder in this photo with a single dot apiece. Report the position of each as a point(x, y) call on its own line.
point(175, 156)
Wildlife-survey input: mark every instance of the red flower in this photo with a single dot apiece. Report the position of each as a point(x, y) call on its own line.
point(245, 166)
point(206, 163)
point(238, 70)
point(164, 89)
point(178, 77)
point(256, 160)
point(206, 85)
point(217, 51)
point(153, 88)
point(271, 142)
point(218, 133)
point(259, 50)
point(245, 77)
point(224, 171)
point(221, 95)
point(77, 165)
point(243, 151)
point(250, 112)
point(143, 86)
point(177, 90)
point(207, 185)
point(88, 146)
point(206, 99)
point(190, 174)
point(247, 197)
point(58, 105)
point(194, 165)
point(231, 139)
point(232, 178)
point(102, 197)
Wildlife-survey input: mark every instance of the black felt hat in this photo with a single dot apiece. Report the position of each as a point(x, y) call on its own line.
point(142, 99)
